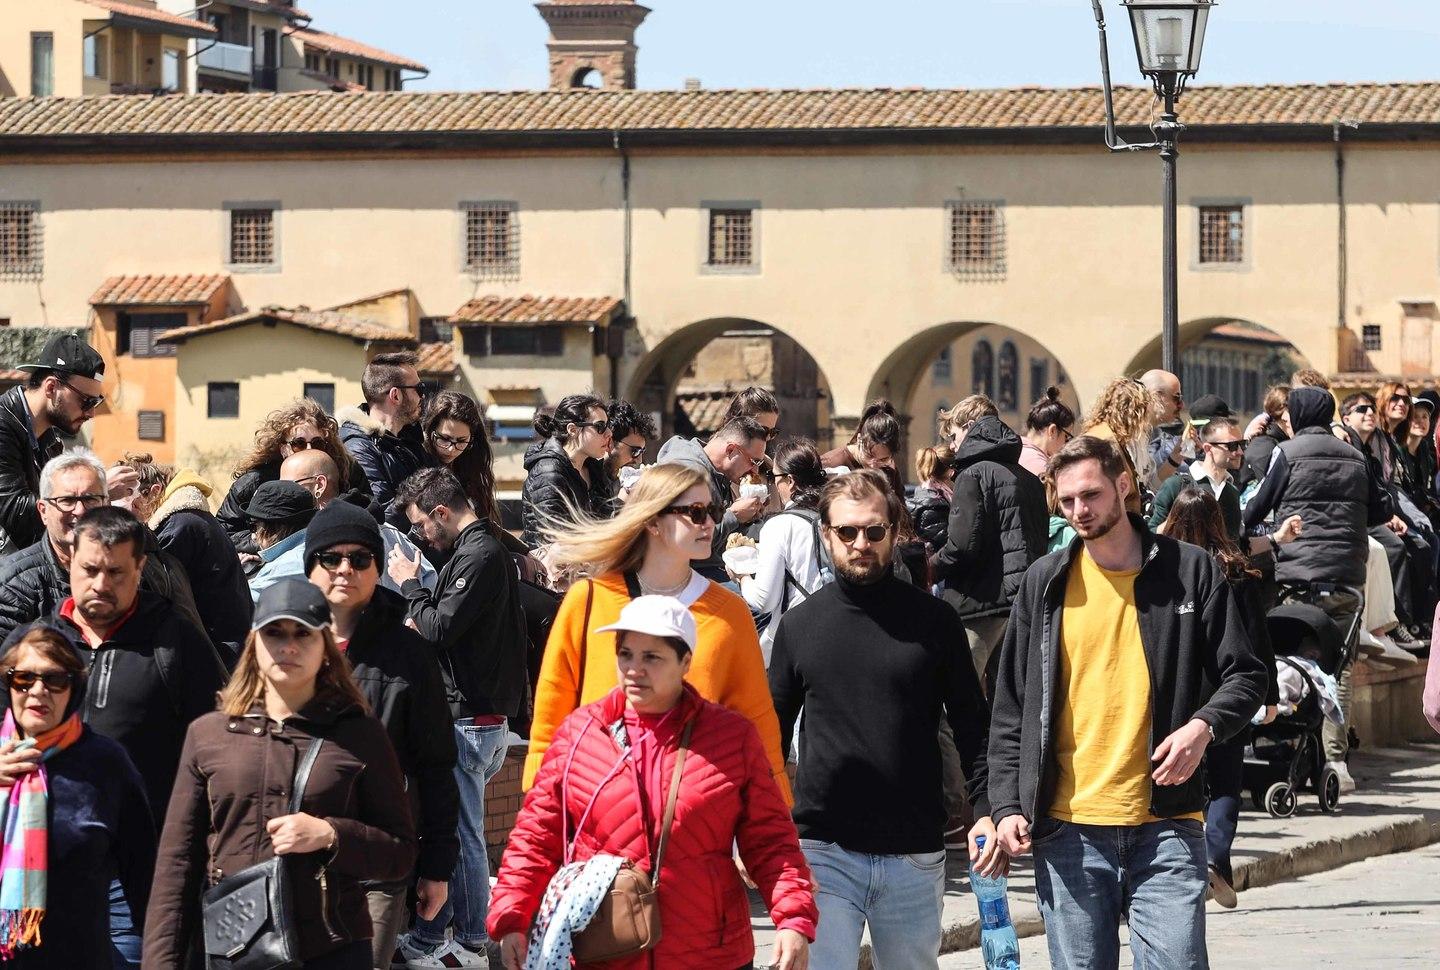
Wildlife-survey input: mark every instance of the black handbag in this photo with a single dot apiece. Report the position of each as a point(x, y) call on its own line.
point(249, 918)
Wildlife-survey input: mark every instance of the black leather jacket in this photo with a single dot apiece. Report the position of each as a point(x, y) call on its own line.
point(20, 465)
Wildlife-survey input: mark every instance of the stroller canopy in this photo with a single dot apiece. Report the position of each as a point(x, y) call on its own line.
point(1292, 624)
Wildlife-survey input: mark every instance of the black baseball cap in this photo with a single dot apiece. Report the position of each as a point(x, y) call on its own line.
point(68, 353)
point(292, 599)
point(1209, 406)
point(281, 502)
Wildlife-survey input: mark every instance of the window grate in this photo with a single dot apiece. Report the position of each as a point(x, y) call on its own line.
point(151, 426)
point(1370, 337)
point(252, 237)
point(21, 251)
point(1222, 234)
point(492, 240)
point(732, 237)
point(977, 240)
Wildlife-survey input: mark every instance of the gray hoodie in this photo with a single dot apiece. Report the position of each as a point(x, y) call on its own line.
point(691, 453)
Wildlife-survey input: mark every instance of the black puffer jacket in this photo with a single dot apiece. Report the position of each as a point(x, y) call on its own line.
point(1258, 453)
point(396, 670)
point(387, 459)
point(33, 584)
point(999, 523)
point(553, 487)
point(930, 513)
point(20, 466)
point(186, 530)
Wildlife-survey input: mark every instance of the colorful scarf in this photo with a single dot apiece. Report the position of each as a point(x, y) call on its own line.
point(24, 819)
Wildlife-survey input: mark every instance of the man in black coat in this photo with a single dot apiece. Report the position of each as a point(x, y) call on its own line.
point(383, 434)
point(396, 669)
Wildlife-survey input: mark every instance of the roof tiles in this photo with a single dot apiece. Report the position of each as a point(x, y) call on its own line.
point(188, 290)
point(436, 358)
point(323, 321)
point(345, 47)
point(499, 310)
point(159, 17)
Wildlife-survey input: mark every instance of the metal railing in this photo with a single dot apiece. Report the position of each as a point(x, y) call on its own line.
point(229, 58)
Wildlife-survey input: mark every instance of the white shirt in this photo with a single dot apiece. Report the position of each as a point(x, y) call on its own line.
point(786, 542)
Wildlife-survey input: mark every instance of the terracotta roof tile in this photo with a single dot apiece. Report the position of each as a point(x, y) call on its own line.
point(158, 17)
point(420, 112)
point(1241, 331)
point(436, 358)
point(323, 321)
point(188, 290)
point(534, 309)
point(705, 410)
point(344, 46)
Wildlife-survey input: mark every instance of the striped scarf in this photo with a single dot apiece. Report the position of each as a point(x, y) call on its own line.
point(24, 818)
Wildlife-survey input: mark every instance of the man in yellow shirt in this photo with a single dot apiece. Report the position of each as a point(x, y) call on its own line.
point(1125, 657)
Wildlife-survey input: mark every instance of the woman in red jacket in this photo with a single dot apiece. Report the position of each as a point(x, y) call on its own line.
point(607, 773)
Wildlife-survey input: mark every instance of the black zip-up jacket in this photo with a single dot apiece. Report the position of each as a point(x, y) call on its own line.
point(1199, 654)
point(186, 530)
point(396, 670)
point(930, 513)
point(148, 680)
point(553, 487)
point(473, 618)
point(386, 458)
point(999, 523)
point(20, 466)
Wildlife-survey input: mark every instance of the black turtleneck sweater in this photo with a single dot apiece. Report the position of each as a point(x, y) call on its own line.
point(873, 667)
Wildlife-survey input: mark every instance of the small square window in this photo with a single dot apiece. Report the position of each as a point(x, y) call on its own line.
point(136, 333)
point(492, 240)
point(732, 238)
point(1222, 234)
point(20, 241)
point(151, 426)
point(977, 240)
point(223, 399)
point(321, 394)
point(1370, 337)
point(252, 237)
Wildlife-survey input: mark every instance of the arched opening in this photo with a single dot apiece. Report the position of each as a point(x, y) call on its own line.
point(937, 367)
point(588, 78)
point(1235, 359)
point(688, 379)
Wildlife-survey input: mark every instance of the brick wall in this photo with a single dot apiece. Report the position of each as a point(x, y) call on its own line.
point(502, 803)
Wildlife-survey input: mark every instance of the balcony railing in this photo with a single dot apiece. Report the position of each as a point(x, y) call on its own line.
point(228, 58)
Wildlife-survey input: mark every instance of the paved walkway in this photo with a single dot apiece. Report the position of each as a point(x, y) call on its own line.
point(1396, 809)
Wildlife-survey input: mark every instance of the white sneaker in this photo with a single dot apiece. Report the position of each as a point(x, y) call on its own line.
point(447, 956)
point(1347, 783)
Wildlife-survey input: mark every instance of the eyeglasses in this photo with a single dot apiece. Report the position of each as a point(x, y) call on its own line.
point(422, 389)
point(850, 533)
point(1362, 409)
point(696, 513)
point(54, 681)
point(358, 559)
point(636, 451)
point(449, 443)
point(1069, 435)
point(69, 503)
point(1227, 445)
point(88, 402)
point(307, 478)
point(300, 444)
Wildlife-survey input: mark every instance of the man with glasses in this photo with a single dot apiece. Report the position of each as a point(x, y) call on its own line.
point(873, 662)
point(62, 393)
point(1166, 447)
point(631, 433)
point(1223, 449)
point(731, 454)
point(383, 434)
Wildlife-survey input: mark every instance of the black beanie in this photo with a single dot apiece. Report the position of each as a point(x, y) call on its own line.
point(341, 522)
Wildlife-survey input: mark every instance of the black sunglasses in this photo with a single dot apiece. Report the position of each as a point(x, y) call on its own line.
point(599, 427)
point(300, 444)
point(849, 533)
point(357, 558)
point(1362, 409)
point(1227, 445)
point(696, 513)
point(88, 402)
point(54, 680)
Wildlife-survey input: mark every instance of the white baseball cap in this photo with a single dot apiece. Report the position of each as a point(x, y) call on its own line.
point(659, 616)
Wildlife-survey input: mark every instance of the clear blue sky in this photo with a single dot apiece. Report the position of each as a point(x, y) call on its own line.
point(500, 44)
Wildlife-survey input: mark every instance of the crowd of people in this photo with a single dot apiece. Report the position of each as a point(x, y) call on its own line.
point(749, 662)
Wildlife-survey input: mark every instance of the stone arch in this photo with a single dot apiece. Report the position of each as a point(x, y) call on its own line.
point(587, 77)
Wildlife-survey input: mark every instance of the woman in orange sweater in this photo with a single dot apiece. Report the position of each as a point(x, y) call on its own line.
point(666, 524)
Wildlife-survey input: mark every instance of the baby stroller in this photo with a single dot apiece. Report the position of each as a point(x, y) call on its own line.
point(1287, 755)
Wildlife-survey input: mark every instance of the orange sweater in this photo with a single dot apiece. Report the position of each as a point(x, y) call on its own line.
point(727, 667)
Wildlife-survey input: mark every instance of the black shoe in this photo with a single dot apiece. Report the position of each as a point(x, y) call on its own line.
point(1402, 637)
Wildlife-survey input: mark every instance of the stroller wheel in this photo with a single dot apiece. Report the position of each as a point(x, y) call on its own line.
point(1329, 790)
point(1280, 800)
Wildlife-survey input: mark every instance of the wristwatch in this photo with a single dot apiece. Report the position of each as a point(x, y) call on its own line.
point(1211, 728)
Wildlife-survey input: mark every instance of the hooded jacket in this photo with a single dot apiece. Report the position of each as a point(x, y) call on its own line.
point(1330, 485)
point(553, 488)
point(185, 528)
point(930, 512)
point(691, 453)
point(1200, 660)
point(20, 464)
point(396, 670)
point(386, 458)
point(1257, 454)
point(998, 525)
point(235, 775)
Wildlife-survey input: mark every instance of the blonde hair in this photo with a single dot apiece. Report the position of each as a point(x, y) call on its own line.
point(1126, 408)
point(968, 411)
point(932, 464)
point(333, 683)
point(593, 547)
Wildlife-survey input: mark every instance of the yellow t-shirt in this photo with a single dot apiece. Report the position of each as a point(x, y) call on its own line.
point(1102, 735)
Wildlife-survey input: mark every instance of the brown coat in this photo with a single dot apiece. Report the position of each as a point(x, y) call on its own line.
point(235, 775)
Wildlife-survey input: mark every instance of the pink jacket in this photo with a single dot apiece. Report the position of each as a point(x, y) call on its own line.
point(1430, 701)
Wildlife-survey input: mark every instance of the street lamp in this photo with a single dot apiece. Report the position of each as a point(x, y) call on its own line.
point(1169, 35)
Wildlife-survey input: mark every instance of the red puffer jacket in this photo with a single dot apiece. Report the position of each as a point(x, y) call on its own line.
point(727, 794)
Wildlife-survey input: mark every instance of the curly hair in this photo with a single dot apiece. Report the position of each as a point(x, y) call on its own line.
point(272, 433)
point(1125, 407)
point(475, 466)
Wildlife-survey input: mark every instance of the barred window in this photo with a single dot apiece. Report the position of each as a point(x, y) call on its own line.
point(252, 237)
point(732, 238)
point(1222, 234)
point(1370, 337)
point(977, 240)
point(20, 249)
point(492, 239)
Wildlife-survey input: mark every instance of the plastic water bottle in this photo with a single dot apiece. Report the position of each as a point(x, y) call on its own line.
point(998, 941)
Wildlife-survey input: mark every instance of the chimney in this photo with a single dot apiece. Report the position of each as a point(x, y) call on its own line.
point(692, 84)
point(592, 44)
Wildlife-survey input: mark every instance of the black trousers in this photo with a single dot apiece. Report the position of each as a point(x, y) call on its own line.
point(1225, 768)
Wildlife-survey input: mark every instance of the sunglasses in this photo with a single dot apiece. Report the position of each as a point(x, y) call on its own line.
point(1400, 398)
point(850, 533)
point(449, 443)
point(1362, 409)
point(300, 444)
point(599, 427)
point(358, 559)
point(697, 513)
point(636, 451)
point(88, 402)
point(69, 503)
point(54, 680)
point(1227, 445)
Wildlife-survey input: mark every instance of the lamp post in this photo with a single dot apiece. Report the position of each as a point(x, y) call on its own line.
point(1169, 36)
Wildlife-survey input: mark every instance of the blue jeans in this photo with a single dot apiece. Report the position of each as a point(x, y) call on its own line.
point(481, 754)
point(124, 931)
point(1088, 876)
point(900, 896)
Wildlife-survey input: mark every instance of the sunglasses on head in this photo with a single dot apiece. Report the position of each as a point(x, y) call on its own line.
point(88, 402)
point(54, 680)
point(357, 558)
point(300, 444)
point(697, 513)
point(850, 533)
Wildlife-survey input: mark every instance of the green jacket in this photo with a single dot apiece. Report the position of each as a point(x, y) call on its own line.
point(1229, 498)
